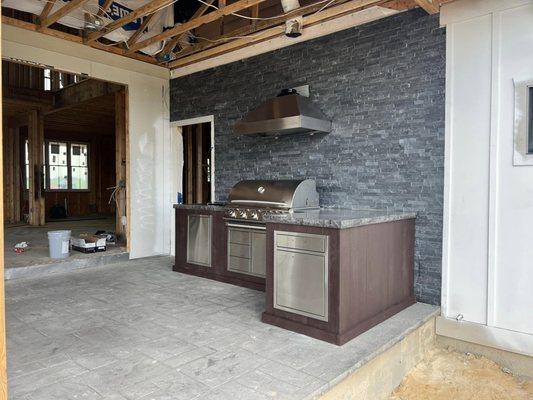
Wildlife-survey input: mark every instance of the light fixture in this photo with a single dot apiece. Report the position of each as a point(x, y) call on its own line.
point(293, 27)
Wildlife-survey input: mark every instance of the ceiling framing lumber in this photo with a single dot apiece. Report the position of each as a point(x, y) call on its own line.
point(65, 10)
point(169, 46)
point(327, 14)
point(140, 12)
point(104, 8)
point(430, 6)
point(193, 23)
point(76, 39)
point(137, 34)
point(46, 10)
point(261, 25)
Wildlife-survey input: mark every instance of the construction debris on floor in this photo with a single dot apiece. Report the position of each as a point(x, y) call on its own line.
point(446, 374)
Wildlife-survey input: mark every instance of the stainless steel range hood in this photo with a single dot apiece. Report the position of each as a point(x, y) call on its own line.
point(288, 113)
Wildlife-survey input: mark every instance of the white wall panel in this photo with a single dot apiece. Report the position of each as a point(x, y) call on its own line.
point(488, 249)
point(513, 272)
point(468, 141)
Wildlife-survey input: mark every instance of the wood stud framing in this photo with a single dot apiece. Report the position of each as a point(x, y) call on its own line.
point(224, 42)
point(65, 10)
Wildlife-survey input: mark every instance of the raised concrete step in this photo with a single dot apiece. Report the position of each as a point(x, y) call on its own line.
point(80, 261)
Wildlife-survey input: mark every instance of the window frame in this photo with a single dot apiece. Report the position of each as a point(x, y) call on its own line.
point(69, 144)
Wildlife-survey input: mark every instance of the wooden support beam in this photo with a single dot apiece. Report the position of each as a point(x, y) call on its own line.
point(46, 10)
point(172, 43)
point(140, 12)
point(65, 10)
point(199, 165)
point(35, 145)
point(101, 12)
point(3, 362)
point(75, 39)
point(189, 165)
point(255, 27)
point(430, 6)
point(193, 23)
point(137, 34)
point(121, 118)
point(74, 95)
point(267, 34)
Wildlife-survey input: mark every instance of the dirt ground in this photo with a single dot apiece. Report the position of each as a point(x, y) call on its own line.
point(450, 375)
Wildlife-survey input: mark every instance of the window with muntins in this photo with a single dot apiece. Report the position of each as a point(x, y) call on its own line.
point(67, 166)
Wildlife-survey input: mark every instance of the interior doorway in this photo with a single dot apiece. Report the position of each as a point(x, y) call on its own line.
point(198, 161)
point(64, 161)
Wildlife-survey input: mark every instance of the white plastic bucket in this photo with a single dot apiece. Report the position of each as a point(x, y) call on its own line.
point(59, 244)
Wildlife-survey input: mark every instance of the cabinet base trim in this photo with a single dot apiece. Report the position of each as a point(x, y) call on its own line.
point(338, 338)
point(223, 278)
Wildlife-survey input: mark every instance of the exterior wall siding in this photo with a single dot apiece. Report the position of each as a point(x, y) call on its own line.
point(382, 84)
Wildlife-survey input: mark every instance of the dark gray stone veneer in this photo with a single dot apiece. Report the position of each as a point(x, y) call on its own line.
point(382, 84)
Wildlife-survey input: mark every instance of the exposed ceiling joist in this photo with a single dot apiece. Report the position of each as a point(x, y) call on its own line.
point(75, 39)
point(104, 8)
point(140, 12)
point(46, 10)
point(193, 23)
point(430, 6)
point(267, 34)
point(65, 10)
point(176, 39)
point(256, 26)
point(137, 34)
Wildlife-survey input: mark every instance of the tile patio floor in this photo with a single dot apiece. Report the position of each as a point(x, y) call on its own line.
point(137, 330)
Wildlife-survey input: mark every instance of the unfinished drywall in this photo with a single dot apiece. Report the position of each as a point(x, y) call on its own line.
point(149, 169)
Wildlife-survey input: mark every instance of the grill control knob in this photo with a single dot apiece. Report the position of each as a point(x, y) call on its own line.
point(232, 213)
point(242, 214)
point(254, 215)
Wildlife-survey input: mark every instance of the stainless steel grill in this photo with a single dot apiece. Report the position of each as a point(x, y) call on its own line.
point(251, 199)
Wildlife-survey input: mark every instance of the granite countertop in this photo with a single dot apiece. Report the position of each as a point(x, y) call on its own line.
point(338, 218)
point(201, 207)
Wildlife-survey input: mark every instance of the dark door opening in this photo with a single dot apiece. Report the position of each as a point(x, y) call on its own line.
point(197, 164)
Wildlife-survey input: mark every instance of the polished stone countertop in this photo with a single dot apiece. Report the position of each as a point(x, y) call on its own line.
point(201, 207)
point(338, 218)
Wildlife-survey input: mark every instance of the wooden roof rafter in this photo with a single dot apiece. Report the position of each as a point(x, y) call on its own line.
point(172, 43)
point(62, 12)
point(195, 22)
point(140, 12)
point(218, 29)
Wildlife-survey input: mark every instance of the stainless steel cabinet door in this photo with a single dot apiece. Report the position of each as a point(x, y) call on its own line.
point(301, 282)
point(199, 240)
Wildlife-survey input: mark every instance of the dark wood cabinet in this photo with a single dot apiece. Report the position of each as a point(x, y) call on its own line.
point(363, 275)
point(212, 265)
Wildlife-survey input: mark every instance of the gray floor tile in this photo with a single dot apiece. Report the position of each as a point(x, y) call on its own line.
point(138, 330)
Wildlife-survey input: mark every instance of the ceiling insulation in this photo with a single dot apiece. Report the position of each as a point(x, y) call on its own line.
point(86, 17)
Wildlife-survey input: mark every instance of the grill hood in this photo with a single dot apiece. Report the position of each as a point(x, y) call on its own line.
point(288, 113)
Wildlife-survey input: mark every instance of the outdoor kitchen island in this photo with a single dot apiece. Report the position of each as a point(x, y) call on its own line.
point(330, 274)
point(333, 274)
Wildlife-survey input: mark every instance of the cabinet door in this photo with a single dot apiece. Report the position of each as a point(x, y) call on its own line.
point(199, 240)
point(301, 282)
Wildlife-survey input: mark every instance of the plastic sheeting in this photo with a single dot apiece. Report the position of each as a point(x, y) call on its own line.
point(77, 19)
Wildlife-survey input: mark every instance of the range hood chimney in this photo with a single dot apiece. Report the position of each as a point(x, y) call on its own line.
point(289, 113)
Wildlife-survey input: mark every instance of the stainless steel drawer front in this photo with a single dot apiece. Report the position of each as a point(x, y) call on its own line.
point(247, 249)
point(239, 264)
point(240, 250)
point(302, 241)
point(301, 278)
point(199, 240)
point(239, 236)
